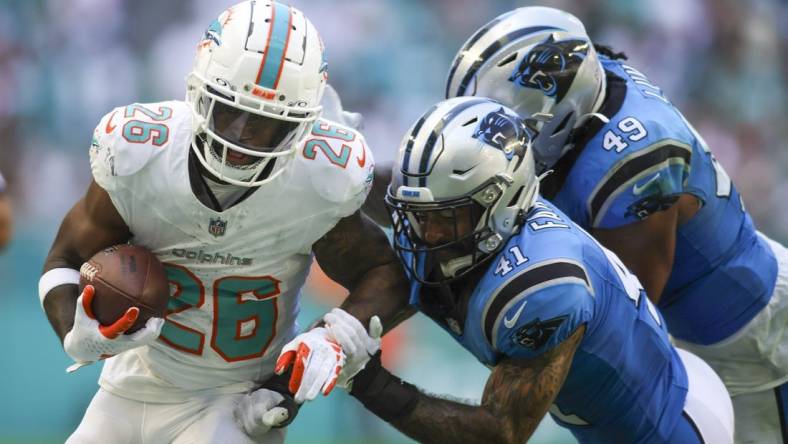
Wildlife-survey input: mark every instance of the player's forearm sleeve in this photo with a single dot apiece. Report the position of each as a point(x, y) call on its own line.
point(382, 393)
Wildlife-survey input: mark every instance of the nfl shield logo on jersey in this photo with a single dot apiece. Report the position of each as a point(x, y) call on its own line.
point(217, 227)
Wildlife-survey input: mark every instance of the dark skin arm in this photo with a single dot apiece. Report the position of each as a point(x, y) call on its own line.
point(91, 225)
point(517, 396)
point(6, 220)
point(647, 247)
point(374, 207)
point(356, 254)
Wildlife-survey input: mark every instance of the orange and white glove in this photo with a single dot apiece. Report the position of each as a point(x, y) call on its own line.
point(316, 360)
point(88, 341)
point(358, 344)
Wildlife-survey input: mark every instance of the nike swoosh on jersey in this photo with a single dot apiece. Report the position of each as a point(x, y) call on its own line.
point(509, 323)
point(363, 159)
point(638, 190)
point(110, 128)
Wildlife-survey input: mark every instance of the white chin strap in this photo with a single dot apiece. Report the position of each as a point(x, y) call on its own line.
point(585, 117)
point(452, 266)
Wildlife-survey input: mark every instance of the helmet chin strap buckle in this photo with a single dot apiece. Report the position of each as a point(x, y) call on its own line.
point(491, 243)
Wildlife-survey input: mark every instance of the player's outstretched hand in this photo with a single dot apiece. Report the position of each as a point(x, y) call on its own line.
point(259, 411)
point(358, 344)
point(316, 360)
point(88, 341)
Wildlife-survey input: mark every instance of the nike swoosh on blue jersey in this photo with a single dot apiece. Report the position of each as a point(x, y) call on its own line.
point(509, 323)
point(638, 190)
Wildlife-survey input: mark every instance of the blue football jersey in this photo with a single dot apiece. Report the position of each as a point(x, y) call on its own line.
point(639, 163)
point(626, 382)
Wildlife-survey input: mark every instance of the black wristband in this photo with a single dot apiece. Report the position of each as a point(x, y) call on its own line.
point(382, 393)
point(279, 384)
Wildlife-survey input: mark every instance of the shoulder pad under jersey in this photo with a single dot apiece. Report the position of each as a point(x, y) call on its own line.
point(538, 307)
point(340, 165)
point(637, 164)
point(128, 137)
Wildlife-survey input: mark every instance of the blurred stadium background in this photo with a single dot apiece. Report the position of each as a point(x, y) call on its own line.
point(64, 63)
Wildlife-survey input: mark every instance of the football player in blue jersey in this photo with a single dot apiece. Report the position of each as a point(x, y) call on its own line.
point(562, 324)
point(629, 168)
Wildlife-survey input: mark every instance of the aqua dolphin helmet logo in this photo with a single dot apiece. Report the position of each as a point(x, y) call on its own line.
point(550, 66)
point(213, 33)
point(503, 131)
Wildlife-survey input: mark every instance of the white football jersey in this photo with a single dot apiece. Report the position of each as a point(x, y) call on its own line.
point(235, 275)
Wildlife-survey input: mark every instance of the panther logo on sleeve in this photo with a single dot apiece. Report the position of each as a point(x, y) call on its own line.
point(550, 66)
point(536, 333)
point(654, 194)
point(650, 205)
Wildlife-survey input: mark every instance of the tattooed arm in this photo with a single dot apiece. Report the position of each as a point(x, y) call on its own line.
point(516, 397)
point(356, 254)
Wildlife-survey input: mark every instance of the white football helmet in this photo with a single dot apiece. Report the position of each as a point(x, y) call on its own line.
point(536, 60)
point(470, 154)
point(255, 90)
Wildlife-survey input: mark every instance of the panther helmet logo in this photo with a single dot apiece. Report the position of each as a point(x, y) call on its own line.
point(550, 66)
point(503, 131)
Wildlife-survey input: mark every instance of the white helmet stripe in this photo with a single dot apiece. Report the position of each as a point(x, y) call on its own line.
point(429, 146)
point(491, 50)
point(474, 38)
point(405, 168)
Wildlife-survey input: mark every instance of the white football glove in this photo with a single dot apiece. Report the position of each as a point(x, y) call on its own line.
point(332, 110)
point(316, 359)
point(358, 344)
point(257, 412)
point(88, 341)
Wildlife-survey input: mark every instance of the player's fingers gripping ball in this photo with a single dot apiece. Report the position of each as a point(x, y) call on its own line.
point(115, 329)
point(316, 360)
point(125, 276)
point(88, 341)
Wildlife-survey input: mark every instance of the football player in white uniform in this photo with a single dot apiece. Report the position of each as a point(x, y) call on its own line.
point(5, 215)
point(235, 190)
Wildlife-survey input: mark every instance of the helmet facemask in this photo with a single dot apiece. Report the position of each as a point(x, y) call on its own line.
point(462, 241)
point(241, 140)
point(463, 179)
point(255, 89)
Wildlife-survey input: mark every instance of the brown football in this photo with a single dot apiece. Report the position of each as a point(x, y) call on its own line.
point(126, 276)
